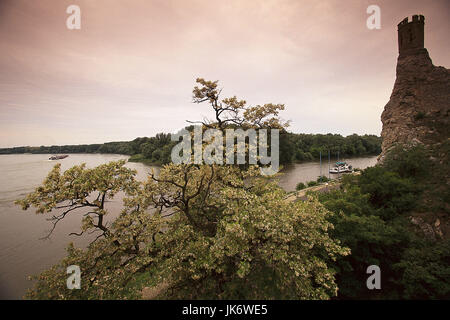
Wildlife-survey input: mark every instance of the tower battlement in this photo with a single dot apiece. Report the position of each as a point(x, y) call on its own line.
point(411, 34)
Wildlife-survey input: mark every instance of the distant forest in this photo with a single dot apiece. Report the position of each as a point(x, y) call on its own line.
point(156, 150)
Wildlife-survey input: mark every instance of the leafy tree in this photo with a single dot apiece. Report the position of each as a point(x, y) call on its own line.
point(388, 191)
point(425, 271)
point(147, 149)
point(206, 231)
point(81, 188)
point(371, 240)
point(412, 162)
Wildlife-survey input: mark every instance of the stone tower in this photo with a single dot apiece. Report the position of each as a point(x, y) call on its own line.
point(418, 110)
point(411, 35)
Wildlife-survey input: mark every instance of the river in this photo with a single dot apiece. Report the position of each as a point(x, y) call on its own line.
point(23, 254)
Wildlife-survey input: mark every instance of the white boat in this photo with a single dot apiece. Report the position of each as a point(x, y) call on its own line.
point(58, 157)
point(341, 167)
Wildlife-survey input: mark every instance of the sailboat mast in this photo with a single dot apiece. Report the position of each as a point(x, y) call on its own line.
point(329, 164)
point(320, 165)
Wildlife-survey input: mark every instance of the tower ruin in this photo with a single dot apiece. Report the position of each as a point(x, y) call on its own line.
point(418, 109)
point(411, 35)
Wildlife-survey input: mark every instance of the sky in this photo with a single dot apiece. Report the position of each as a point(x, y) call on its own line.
point(130, 70)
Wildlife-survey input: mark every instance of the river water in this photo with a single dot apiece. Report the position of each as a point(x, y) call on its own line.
point(23, 254)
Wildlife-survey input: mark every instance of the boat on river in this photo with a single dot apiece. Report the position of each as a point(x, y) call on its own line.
point(341, 167)
point(56, 157)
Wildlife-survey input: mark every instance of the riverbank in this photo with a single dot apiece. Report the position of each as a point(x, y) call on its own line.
point(139, 158)
point(322, 187)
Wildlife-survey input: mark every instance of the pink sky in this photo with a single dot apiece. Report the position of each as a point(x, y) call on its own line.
point(131, 68)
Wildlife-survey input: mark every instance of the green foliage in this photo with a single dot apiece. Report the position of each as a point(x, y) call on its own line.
point(206, 231)
point(425, 271)
point(370, 219)
point(300, 186)
point(248, 256)
point(389, 193)
point(370, 239)
point(412, 162)
point(312, 183)
point(322, 179)
point(137, 158)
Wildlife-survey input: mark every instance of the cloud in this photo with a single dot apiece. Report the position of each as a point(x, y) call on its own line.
point(130, 70)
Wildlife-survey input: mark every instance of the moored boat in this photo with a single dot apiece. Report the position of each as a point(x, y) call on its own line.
point(56, 157)
point(341, 167)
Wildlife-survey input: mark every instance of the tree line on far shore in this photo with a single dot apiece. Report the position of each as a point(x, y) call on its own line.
point(294, 147)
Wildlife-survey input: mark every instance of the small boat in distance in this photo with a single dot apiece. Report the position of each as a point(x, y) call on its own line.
point(341, 167)
point(55, 157)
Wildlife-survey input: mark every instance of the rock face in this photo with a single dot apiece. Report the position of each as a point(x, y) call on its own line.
point(419, 106)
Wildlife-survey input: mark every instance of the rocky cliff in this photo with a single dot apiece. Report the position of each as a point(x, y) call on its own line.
point(418, 109)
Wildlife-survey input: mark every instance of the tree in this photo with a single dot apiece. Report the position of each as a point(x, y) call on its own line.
point(206, 231)
point(232, 111)
point(81, 188)
point(388, 191)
